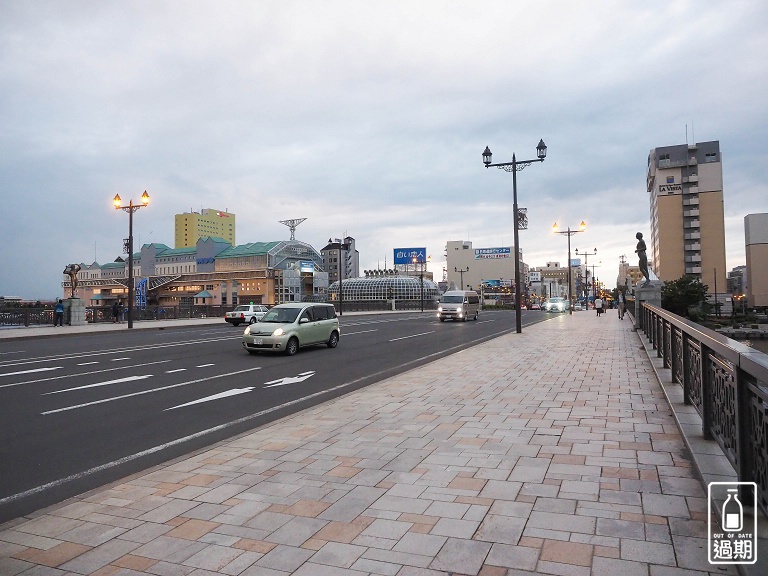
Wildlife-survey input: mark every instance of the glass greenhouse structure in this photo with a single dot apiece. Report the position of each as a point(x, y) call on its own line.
point(382, 288)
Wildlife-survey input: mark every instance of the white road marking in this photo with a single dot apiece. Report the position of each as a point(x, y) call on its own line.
point(32, 371)
point(87, 363)
point(289, 379)
point(361, 332)
point(119, 359)
point(149, 391)
point(177, 370)
point(412, 336)
point(227, 394)
point(205, 365)
point(82, 374)
point(59, 357)
point(107, 383)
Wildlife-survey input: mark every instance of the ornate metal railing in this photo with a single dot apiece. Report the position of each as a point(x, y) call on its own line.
point(726, 382)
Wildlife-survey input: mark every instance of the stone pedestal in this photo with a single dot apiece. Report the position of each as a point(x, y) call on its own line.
point(650, 294)
point(74, 311)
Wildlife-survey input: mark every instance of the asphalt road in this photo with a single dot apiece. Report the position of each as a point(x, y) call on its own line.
point(80, 411)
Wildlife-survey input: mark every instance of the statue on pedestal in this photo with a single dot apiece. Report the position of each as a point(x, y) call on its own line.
point(643, 264)
point(71, 270)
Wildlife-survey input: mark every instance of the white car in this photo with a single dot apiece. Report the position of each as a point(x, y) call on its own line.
point(287, 327)
point(246, 313)
point(556, 305)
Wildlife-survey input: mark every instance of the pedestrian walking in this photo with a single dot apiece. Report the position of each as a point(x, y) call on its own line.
point(621, 305)
point(599, 306)
point(58, 319)
point(115, 312)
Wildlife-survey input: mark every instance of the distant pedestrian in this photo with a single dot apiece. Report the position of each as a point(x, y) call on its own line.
point(59, 314)
point(115, 312)
point(599, 306)
point(621, 305)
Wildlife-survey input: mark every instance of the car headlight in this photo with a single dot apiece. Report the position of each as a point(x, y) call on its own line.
point(278, 332)
point(247, 331)
point(439, 308)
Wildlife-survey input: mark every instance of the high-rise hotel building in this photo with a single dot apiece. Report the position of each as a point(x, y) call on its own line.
point(685, 183)
point(189, 227)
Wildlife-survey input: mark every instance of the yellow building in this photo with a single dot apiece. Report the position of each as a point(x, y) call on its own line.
point(685, 183)
point(189, 227)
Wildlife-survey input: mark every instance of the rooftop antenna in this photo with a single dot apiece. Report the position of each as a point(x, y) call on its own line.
point(292, 225)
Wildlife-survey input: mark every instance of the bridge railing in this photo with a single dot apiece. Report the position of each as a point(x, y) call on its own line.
point(727, 383)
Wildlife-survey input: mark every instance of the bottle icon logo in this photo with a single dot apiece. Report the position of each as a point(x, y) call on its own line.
point(733, 512)
point(732, 522)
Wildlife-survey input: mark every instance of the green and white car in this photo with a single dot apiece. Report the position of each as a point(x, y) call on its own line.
point(288, 327)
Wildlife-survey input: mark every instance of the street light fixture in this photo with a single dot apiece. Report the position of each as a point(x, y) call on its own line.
point(515, 166)
point(131, 208)
point(421, 261)
point(586, 267)
point(569, 232)
point(342, 271)
point(462, 275)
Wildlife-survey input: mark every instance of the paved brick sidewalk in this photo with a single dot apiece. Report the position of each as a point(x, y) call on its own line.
point(550, 452)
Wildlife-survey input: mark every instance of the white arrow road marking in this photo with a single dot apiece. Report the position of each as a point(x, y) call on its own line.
point(289, 379)
point(228, 393)
point(107, 383)
point(152, 391)
point(31, 371)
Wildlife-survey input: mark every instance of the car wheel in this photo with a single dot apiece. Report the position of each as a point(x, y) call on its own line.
point(333, 341)
point(235, 323)
point(253, 320)
point(475, 318)
point(292, 347)
point(252, 352)
point(442, 319)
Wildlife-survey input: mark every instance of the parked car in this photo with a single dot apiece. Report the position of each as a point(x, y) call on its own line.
point(577, 306)
point(556, 304)
point(246, 313)
point(288, 327)
point(536, 306)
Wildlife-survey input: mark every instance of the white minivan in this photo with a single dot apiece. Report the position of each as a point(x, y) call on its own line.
point(459, 305)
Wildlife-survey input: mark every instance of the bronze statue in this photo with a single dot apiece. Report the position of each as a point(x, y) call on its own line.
point(71, 270)
point(643, 258)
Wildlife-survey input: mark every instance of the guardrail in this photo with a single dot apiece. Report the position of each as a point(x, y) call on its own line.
point(727, 383)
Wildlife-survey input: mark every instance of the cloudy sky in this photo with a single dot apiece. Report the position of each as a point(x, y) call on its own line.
point(366, 118)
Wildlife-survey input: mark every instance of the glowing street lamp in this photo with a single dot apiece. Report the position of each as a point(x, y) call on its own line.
point(130, 208)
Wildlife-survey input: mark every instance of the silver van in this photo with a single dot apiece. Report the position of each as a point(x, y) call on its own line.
point(459, 305)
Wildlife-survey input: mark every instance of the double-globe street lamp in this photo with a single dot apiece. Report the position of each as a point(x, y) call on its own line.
point(586, 273)
point(417, 260)
point(515, 166)
point(569, 232)
point(131, 208)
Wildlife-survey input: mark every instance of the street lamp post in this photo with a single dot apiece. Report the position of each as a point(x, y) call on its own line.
point(594, 285)
point(131, 208)
point(586, 268)
point(570, 233)
point(462, 275)
point(421, 276)
point(515, 166)
point(342, 271)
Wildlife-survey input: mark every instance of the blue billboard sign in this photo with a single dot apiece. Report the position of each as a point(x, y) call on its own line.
point(306, 266)
point(487, 253)
point(406, 255)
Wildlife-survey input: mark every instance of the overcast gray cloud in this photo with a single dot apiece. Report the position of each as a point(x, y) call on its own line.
point(367, 119)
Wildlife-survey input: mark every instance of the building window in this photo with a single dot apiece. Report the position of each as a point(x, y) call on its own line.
point(670, 179)
point(710, 157)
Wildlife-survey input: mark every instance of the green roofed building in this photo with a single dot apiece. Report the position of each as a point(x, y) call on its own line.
point(258, 272)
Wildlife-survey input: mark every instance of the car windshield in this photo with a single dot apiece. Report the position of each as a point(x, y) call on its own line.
point(242, 309)
point(452, 299)
point(281, 315)
point(556, 300)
